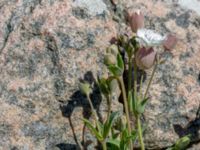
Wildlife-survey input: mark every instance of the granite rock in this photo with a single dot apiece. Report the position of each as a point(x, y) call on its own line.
point(48, 46)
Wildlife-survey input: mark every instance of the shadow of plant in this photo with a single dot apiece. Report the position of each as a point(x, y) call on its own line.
point(79, 100)
point(141, 75)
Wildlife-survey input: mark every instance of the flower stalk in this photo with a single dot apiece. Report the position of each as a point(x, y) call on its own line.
point(104, 145)
point(93, 111)
point(139, 129)
point(135, 78)
point(129, 74)
point(120, 79)
point(108, 97)
point(150, 80)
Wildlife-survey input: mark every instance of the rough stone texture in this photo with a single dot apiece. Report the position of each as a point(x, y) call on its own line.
point(47, 46)
point(194, 147)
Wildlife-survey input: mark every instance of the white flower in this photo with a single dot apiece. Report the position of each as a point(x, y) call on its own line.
point(149, 38)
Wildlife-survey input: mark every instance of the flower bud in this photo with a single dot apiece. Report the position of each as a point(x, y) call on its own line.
point(136, 21)
point(110, 59)
point(113, 49)
point(123, 40)
point(120, 123)
point(145, 58)
point(170, 42)
point(85, 88)
point(113, 85)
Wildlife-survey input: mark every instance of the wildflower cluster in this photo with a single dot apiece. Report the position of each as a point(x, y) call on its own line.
point(128, 55)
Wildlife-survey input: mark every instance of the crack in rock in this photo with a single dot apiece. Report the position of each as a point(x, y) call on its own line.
point(9, 31)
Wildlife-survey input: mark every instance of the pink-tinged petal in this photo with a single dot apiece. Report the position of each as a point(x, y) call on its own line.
point(136, 21)
point(145, 58)
point(170, 42)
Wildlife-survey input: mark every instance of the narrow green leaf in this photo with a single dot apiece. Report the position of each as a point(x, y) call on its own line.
point(129, 50)
point(100, 127)
point(109, 123)
point(133, 135)
point(130, 138)
point(130, 101)
point(114, 142)
point(116, 71)
point(142, 105)
point(120, 62)
point(135, 104)
point(93, 129)
point(123, 143)
point(125, 133)
point(144, 101)
point(126, 138)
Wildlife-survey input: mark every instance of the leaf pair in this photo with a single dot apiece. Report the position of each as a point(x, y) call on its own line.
point(93, 129)
point(105, 85)
point(117, 69)
point(109, 123)
point(101, 131)
point(136, 105)
point(122, 143)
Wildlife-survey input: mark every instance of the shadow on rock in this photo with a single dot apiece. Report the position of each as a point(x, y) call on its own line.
point(63, 146)
point(141, 75)
point(79, 100)
point(191, 129)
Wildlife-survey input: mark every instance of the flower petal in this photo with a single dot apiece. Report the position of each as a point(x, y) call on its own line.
point(147, 37)
point(145, 58)
point(136, 21)
point(170, 42)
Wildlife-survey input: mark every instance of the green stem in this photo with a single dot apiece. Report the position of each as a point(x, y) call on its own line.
point(150, 80)
point(104, 145)
point(96, 119)
point(92, 108)
point(94, 113)
point(109, 106)
point(129, 74)
point(140, 94)
point(140, 132)
point(126, 107)
point(135, 77)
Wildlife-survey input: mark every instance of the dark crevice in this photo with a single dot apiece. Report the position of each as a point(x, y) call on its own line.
point(199, 78)
point(36, 3)
point(56, 70)
point(118, 11)
point(1, 6)
point(10, 25)
point(9, 31)
point(191, 129)
point(64, 146)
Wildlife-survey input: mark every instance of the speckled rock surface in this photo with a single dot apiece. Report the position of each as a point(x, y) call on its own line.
point(48, 46)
